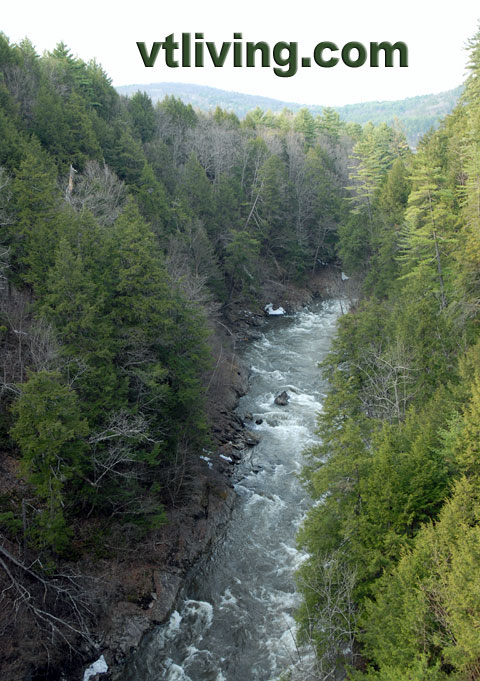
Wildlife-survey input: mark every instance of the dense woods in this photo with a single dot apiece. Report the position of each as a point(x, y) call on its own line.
point(415, 114)
point(394, 535)
point(127, 230)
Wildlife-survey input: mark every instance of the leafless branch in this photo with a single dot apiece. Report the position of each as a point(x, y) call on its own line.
point(58, 603)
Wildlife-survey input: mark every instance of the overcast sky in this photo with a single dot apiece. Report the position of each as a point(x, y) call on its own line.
point(436, 34)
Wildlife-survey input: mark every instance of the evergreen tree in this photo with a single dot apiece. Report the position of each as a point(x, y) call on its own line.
point(143, 116)
point(50, 432)
point(39, 219)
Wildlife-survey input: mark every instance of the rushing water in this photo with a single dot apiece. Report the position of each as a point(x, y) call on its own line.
point(236, 622)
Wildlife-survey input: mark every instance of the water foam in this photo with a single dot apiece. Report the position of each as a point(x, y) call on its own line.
point(239, 623)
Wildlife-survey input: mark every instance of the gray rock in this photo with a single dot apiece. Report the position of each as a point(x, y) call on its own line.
point(250, 439)
point(282, 399)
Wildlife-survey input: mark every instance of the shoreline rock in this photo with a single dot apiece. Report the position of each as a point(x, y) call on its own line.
point(152, 586)
point(150, 596)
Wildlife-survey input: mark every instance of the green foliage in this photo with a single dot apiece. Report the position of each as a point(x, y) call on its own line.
point(329, 123)
point(125, 155)
point(467, 444)
point(396, 474)
point(10, 522)
point(152, 199)
point(12, 141)
point(39, 219)
point(418, 669)
point(389, 210)
point(109, 272)
point(378, 160)
point(143, 115)
point(50, 432)
point(416, 115)
point(429, 604)
point(430, 231)
point(241, 260)
point(197, 192)
point(305, 123)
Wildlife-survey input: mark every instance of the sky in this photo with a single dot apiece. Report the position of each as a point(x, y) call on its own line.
point(436, 34)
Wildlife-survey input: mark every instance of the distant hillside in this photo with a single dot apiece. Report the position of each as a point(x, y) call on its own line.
point(416, 114)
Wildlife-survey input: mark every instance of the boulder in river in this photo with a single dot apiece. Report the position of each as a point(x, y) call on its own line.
point(282, 399)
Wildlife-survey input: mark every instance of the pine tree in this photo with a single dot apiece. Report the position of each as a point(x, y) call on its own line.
point(39, 220)
point(50, 433)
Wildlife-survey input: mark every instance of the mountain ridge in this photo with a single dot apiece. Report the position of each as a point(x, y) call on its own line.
point(416, 114)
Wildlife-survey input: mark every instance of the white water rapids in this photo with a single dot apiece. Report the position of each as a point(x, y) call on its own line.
point(236, 622)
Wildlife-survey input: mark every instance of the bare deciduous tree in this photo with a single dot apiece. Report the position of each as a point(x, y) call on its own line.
point(191, 262)
point(332, 627)
point(5, 220)
point(57, 603)
point(5, 196)
point(22, 81)
point(25, 342)
point(216, 146)
point(98, 190)
point(114, 450)
point(388, 381)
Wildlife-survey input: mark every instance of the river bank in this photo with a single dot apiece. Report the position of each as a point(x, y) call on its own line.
point(234, 619)
point(144, 583)
point(150, 588)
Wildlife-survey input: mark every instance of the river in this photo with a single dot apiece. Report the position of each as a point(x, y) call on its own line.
point(236, 620)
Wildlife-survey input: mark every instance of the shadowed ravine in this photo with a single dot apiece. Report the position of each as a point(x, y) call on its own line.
point(236, 621)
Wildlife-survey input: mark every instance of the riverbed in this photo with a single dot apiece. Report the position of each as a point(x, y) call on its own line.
point(235, 621)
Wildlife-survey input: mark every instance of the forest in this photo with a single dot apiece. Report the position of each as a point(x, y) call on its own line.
point(394, 535)
point(127, 229)
point(415, 114)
